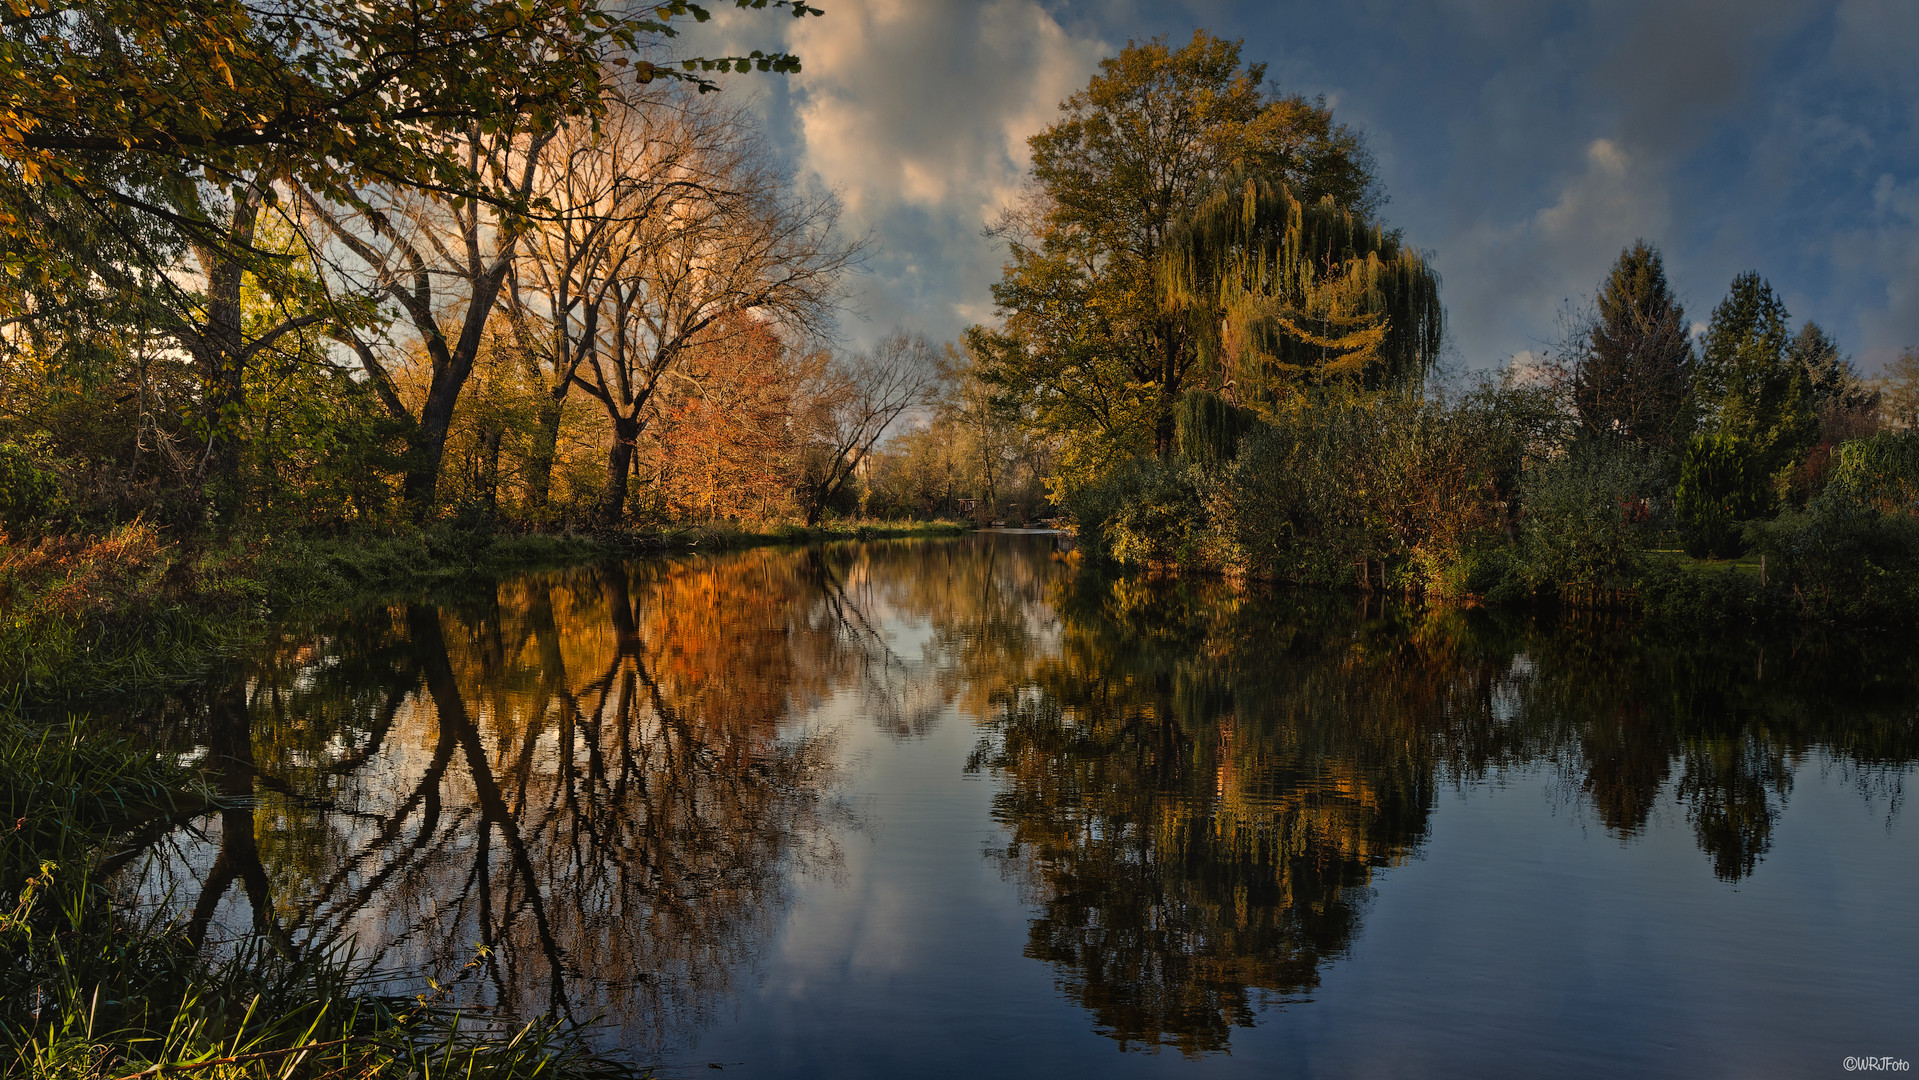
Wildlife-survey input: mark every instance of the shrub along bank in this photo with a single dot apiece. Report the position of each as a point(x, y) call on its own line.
point(1487, 497)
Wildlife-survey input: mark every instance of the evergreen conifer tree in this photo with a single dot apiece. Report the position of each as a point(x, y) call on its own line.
point(1756, 402)
point(1749, 383)
point(1635, 372)
point(1833, 379)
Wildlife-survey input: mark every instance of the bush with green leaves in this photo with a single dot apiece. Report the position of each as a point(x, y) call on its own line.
point(27, 492)
point(1143, 512)
point(1881, 471)
point(1414, 488)
point(1721, 485)
point(1844, 560)
point(1587, 512)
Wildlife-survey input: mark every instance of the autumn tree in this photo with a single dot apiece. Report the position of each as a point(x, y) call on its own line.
point(1086, 342)
point(730, 235)
point(598, 183)
point(177, 130)
point(723, 440)
point(1633, 362)
point(850, 403)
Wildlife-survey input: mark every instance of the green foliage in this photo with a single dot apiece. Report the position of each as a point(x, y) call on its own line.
point(1881, 471)
point(1158, 518)
point(1088, 352)
point(27, 492)
point(1633, 369)
point(1752, 389)
point(1830, 374)
point(1346, 481)
point(104, 613)
point(1208, 428)
point(1586, 516)
point(1844, 561)
point(1386, 489)
point(1277, 293)
point(1720, 487)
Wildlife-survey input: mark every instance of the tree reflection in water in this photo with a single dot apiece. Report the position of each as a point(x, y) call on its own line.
point(590, 779)
point(1199, 785)
point(607, 779)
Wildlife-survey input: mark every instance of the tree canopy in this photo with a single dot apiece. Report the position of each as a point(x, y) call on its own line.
point(1088, 347)
point(1633, 373)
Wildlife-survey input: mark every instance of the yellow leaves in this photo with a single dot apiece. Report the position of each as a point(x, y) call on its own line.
point(226, 72)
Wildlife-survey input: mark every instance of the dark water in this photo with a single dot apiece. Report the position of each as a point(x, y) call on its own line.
point(957, 808)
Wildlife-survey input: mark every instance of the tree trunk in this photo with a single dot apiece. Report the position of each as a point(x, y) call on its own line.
point(489, 484)
point(1163, 430)
point(619, 465)
point(436, 418)
point(539, 464)
point(221, 357)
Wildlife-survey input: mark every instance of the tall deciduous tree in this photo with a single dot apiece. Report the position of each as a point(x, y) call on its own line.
point(1086, 341)
point(730, 236)
point(598, 184)
point(440, 263)
point(1632, 375)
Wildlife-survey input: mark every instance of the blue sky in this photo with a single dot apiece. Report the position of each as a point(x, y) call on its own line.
point(1524, 143)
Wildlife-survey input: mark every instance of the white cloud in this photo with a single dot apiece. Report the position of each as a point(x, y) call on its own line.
point(916, 112)
point(1525, 271)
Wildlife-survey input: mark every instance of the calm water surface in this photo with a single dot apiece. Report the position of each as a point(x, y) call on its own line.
point(960, 808)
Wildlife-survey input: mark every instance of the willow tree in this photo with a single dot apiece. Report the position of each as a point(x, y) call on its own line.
point(1086, 350)
point(1277, 294)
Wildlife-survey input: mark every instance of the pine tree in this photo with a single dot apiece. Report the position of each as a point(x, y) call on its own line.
point(1749, 383)
point(1634, 374)
point(1834, 381)
point(1756, 400)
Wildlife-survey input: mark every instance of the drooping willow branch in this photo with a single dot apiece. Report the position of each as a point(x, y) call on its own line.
point(1280, 292)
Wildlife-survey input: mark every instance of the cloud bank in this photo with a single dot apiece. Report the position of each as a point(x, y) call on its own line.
point(1525, 143)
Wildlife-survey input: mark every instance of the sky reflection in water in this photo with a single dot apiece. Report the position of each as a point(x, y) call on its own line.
point(954, 806)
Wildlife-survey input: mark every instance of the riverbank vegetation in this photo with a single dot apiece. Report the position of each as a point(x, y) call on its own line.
point(533, 280)
point(1234, 361)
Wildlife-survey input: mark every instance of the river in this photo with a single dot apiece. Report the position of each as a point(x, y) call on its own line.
point(965, 808)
